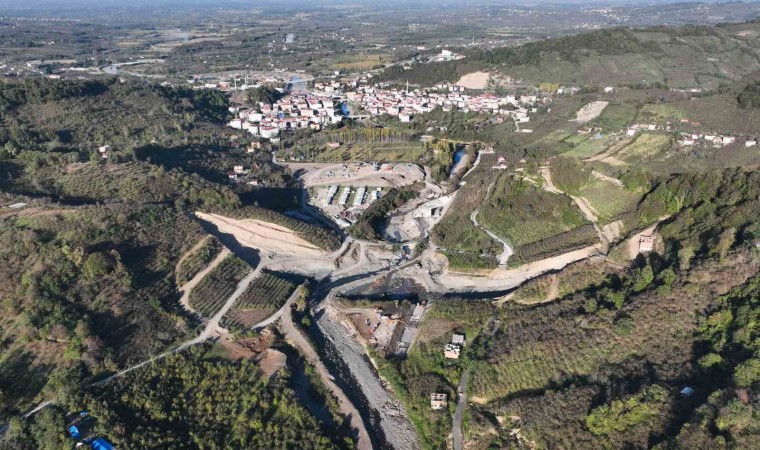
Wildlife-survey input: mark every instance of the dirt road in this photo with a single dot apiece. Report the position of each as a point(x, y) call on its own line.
point(456, 429)
point(507, 252)
point(297, 340)
point(188, 287)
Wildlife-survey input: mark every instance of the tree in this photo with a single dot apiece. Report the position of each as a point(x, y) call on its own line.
point(263, 94)
point(621, 415)
point(725, 241)
point(644, 278)
point(97, 265)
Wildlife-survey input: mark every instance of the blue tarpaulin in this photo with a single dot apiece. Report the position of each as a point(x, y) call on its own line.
point(101, 444)
point(74, 432)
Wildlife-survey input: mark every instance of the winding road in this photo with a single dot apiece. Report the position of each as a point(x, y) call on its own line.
point(507, 252)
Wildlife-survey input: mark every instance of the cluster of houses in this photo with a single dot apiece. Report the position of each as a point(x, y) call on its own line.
point(689, 139)
point(716, 140)
point(294, 111)
point(446, 55)
point(406, 104)
point(452, 350)
point(240, 174)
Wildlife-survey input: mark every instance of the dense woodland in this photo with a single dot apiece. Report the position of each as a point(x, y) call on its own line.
point(88, 289)
point(190, 400)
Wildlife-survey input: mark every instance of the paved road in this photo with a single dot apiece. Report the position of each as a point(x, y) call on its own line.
point(459, 413)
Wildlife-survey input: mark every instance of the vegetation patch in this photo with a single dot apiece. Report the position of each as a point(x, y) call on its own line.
point(198, 259)
point(266, 294)
point(522, 214)
point(216, 287)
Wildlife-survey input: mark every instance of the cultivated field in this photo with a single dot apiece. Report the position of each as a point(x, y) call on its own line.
point(267, 293)
point(197, 259)
point(211, 293)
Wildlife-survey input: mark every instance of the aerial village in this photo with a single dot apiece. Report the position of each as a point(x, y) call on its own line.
point(330, 101)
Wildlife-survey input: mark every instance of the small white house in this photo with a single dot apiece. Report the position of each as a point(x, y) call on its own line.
point(104, 150)
point(750, 143)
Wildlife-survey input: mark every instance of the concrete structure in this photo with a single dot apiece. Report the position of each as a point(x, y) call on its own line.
point(452, 351)
point(438, 401)
point(646, 244)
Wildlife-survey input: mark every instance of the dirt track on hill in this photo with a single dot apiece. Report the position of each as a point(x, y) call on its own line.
point(188, 287)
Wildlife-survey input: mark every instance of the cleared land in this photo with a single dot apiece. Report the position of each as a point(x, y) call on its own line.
point(475, 80)
point(358, 174)
point(590, 111)
point(261, 235)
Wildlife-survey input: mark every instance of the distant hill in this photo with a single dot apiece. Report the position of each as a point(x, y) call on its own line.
point(687, 57)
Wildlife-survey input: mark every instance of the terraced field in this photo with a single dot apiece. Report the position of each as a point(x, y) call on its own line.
point(198, 260)
point(211, 293)
point(268, 292)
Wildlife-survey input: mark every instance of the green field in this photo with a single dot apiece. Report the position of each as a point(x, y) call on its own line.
point(644, 146)
point(608, 199)
point(585, 145)
point(661, 112)
point(521, 213)
point(381, 152)
point(616, 117)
